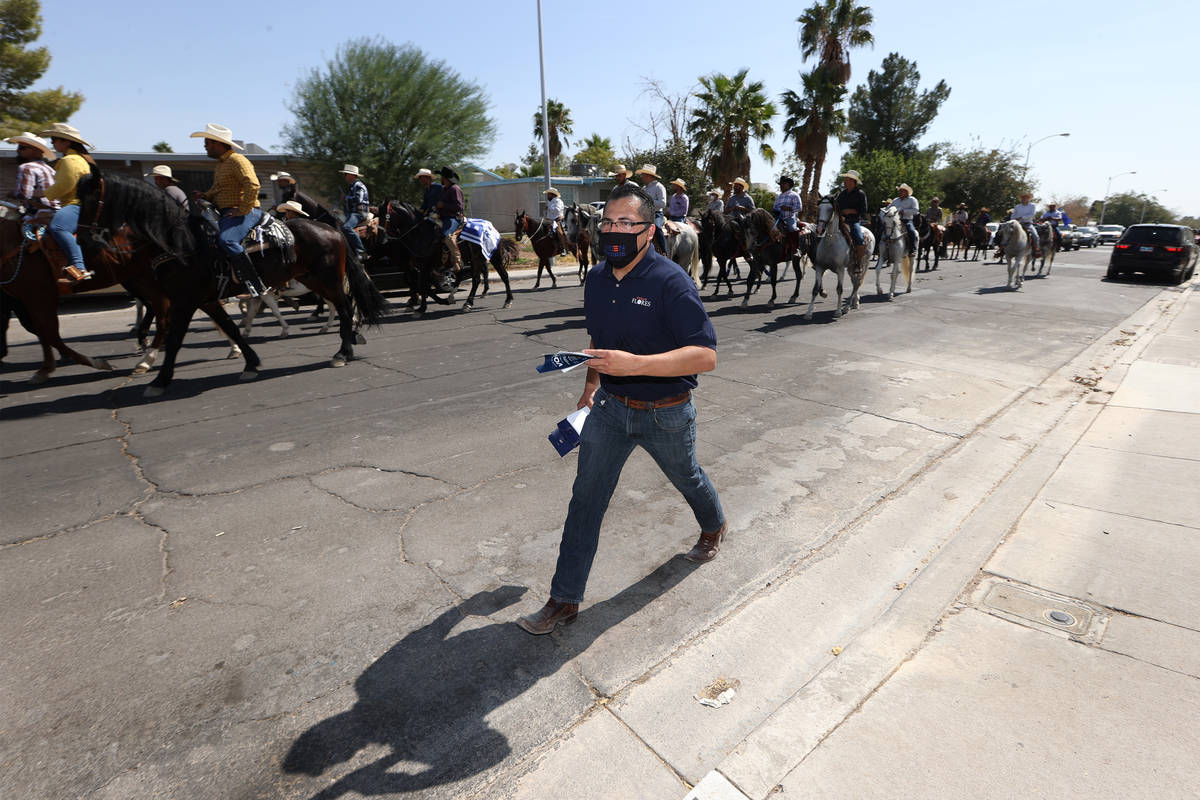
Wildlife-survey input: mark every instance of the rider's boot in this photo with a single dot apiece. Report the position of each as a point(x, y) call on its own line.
point(562, 241)
point(247, 274)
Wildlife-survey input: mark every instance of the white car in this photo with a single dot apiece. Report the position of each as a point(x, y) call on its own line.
point(1110, 233)
point(992, 228)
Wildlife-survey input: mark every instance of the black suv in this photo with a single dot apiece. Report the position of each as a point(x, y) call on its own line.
point(1168, 250)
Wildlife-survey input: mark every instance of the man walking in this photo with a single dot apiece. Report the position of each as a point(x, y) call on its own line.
point(650, 337)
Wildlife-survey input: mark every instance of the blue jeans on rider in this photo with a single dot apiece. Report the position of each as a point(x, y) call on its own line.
point(659, 241)
point(62, 227)
point(234, 228)
point(912, 230)
point(856, 232)
point(449, 226)
point(787, 223)
point(609, 436)
point(1032, 229)
point(348, 227)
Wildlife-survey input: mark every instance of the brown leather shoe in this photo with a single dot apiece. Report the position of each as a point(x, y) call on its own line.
point(707, 546)
point(549, 616)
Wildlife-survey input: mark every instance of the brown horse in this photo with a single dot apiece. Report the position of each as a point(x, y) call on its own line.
point(542, 239)
point(579, 236)
point(26, 273)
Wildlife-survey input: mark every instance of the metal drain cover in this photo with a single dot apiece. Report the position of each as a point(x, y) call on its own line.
point(1039, 608)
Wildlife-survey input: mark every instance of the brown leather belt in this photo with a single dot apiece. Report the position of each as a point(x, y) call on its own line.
point(644, 405)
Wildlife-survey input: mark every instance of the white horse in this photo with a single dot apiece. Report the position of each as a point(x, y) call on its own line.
point(1018, 250)
point(893, 250)
point(835, 253)
point(683, 247)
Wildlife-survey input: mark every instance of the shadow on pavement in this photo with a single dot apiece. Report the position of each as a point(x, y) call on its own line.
point(429, 696)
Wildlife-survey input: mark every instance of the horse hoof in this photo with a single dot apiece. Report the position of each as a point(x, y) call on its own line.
point(153, 391)
point(360, 339)
point(337, 361)
point(141, 369)
point(234, 352)
point(248, 375)
point(39, 378)
point(508, 304)
point(101, 363)
point(468, 307)
point(283, 334)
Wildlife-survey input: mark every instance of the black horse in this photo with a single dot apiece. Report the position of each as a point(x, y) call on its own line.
point(722, 238)
point(929, 240)
point(767, 247)
point(415, 245)
point(189, 262)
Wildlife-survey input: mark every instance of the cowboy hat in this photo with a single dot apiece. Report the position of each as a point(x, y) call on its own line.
point(218, 133)
point(741, 182)
point(852, 173)
point(1025, 194)
point(283, 176)
point(787, 178)
point(423, 173)
point(985, 208)
point(30, 140)
point(350, 169)
point(679, 182)
point(552, 191)
point(621, 168)
point(61, 130)
point(162, 170)
point(293, 206)
point(448, 174)
point(648, 169)
point(961, 205)
point(936, 200)
point(904, 186)
point(715, 191)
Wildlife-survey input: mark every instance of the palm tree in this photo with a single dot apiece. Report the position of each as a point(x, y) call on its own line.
point(829, 29)
point(811, 119)
point(731, 112)
point(559, 123)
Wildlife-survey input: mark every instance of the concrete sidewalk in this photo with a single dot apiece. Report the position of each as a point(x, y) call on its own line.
point(1021, 620)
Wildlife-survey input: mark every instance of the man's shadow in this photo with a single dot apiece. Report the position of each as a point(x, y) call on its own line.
point(428, 697)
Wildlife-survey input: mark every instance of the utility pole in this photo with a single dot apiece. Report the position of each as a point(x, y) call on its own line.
point(1104, 204)
point(545, 116)
point(1144, 201)
point(1025, 169)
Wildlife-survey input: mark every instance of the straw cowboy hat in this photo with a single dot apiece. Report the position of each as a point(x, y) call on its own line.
point(293, 206)
point(741, 182)
point(715, 192)
point(218, 133)
point(648, 169)
point(905, 187)
point(552, 191)
point(30, 140)
point(679, 182)
point(164, 171)
point(621, 169)
point(852, 174)
point(350, 169)
point(61, 130)
point(283, 176)
point(423, 173)
point(1025, 194)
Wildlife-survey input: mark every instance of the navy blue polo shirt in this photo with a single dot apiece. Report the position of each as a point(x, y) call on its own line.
point(655, 308)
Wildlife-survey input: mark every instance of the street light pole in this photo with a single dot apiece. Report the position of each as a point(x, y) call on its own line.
point(545, 116)
point(1025, 169)
point(1104, 203)
point(1144, 201)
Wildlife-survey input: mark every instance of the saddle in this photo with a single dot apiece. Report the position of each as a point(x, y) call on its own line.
point(268, 233)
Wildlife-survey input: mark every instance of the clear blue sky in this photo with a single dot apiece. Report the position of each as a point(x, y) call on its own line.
point(1120, 77)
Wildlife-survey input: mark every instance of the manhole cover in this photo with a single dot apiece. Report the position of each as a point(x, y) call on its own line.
point(1060, 617)
point(1039, 608)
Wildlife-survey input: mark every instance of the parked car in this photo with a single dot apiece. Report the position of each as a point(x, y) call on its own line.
point(1087, 236)
point(1169, 250)
point(1110, 233)
point(992, 228)
point(1068, 239)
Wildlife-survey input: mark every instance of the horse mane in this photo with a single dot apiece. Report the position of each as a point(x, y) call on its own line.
point(147, 210)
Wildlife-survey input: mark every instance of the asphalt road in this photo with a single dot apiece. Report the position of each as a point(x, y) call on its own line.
point(303, 586)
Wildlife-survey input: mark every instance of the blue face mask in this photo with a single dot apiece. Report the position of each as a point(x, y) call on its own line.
point(619, 248)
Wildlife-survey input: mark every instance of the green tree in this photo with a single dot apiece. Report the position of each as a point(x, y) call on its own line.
point(1191, 221)
point(559, 125)
point(20, 68)
point(979, 177)
point(509, 170)
point(390, 109)
point(829, 28)
point(731, 111)
point(883, 170)
point(1130, 208)
point(888, 113)
point(163, 147)
point(596, 150)
point(811, 119)
point(533, 166)
point(675, 160)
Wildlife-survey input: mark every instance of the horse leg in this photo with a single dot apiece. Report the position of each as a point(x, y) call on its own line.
point(840, 312)
point(45, 324)
point(774, 280)
point(878, 269)
point(181, 317)
point(225, 324)
point(753, 277)
point(817, 272)
point(895, 275)
point(273, 304)
point(502, 271)
point(345, 329)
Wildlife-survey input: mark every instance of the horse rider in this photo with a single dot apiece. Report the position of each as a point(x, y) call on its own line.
point(961, 218)
point(73, 165)
point(1054, 218)
point(449, 209)
point(432, 193)
point(715, 203)
point(658, 194)
point(851, 204)
point(164, 180)
point(356, 204)
point(934, 214)
point(235, 194)
point(908, 206)
point(984, 216)
point(787, 204)
point(289, 189)
point(1024, 212)
point(291, 209)
point(622, 174)
point(739, 202)
point(679, 203)
point(34, 175)
point(556, 213)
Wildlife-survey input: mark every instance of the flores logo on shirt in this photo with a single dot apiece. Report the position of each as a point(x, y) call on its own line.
point(641, 301)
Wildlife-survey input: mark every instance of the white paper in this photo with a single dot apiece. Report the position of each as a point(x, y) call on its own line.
point(578, 418)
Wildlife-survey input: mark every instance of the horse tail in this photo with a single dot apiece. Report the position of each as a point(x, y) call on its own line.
point(372, 305)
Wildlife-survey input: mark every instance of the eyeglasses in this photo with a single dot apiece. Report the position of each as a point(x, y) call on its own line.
point(622, 225)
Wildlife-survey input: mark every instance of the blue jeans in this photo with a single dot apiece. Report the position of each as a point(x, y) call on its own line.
point(449, 225)
point(233, 229)
point(353, 238)
point(787, 223)
point(62, 227)
point(856, 232)
point(1030, 229)
point(611, 432)
point(912, 232)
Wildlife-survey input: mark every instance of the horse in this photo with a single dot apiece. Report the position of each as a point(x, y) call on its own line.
point(955, 240)
point(415, 245)
point(723, 238)
point(577, 220)
point(929, 240)
point(472, 239)
point(835, 253)
point(1018, 250)
point(188, 268)
point(26, 274)
point(683, 247)
point(767, 247)
point(893, 249)
point(1047, 241)
point(977, 237)
point(543, 240)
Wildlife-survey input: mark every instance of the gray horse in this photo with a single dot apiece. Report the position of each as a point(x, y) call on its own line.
point(893, 250)
point(1045, 233)
point(1018, 251)
point(835, 254)
point(683, 247)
